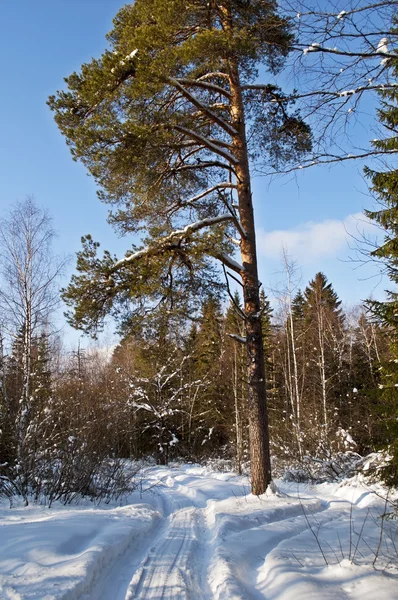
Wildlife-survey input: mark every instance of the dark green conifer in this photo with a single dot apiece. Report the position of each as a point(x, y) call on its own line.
point(384, 185)
point(298, 305)
point(319, 293)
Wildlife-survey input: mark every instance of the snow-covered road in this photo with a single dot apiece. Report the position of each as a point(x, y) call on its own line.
point(195, 534)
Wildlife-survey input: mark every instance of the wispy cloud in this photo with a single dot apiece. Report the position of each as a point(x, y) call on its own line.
point(311, 240)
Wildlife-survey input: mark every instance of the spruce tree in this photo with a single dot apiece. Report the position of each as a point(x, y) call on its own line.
point(266, 312)
point(298, 306)
point(167, 121)
point(208, 351)
point(324, 333)
point(384, 185)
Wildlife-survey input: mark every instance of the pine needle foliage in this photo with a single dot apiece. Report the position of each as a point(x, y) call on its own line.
point(150, 119)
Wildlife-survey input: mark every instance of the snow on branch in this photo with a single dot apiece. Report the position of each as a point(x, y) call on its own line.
point(330, 93)
point(211, 87)
point(315, 47)
point(237, 338)
point(229, 262)
point(170, 241)
point(214, 75)
point(347, 12)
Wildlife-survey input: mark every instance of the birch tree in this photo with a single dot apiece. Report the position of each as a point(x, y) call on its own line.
point(167, 123)
point(28, 292)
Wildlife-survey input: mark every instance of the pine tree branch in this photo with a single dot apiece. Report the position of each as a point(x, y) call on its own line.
point(204, 165)
point(238, 309)
point(215, 75)
point(219, 186)
point(169, 242)
point(207, 143)
point(211, 87)
point(230, 262)
point(237, 338)
point(204, 109)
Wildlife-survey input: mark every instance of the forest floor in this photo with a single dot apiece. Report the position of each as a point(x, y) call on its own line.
point(192, 533)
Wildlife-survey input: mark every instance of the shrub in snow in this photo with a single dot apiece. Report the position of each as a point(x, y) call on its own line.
point(69, 477)
point(319, 469)
point(377, 466)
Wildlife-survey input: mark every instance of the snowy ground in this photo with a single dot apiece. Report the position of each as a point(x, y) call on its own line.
point(200, 535)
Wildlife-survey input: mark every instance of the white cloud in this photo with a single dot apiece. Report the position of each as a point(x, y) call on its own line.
point(312, 240)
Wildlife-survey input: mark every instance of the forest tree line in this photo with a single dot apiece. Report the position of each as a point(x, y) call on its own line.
point(176, 389)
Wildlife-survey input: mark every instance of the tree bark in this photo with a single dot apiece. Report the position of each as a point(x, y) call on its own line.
point(258, 417)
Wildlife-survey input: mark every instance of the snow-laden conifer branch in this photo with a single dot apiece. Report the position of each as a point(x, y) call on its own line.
point(229, 262)
point(219, 106)
point(237, 338)
point(207, 143)
point(211, 87)
point(214, 75)
point(170, 241)
point(203, 108)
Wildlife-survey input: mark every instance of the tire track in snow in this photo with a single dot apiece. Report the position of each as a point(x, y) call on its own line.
point(241, 558)
point(173, 567)
point(238, 556)
point(170, 563)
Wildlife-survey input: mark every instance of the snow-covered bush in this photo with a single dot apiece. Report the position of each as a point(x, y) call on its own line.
point(69, 478)
point(318, 469)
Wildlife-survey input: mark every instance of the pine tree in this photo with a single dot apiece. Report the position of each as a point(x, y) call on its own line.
point(384, 185)
point(166, 121)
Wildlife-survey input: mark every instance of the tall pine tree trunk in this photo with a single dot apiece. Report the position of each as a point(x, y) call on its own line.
point(258, 418)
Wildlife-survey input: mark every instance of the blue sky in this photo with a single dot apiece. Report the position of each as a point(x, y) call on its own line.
point(46, 40)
